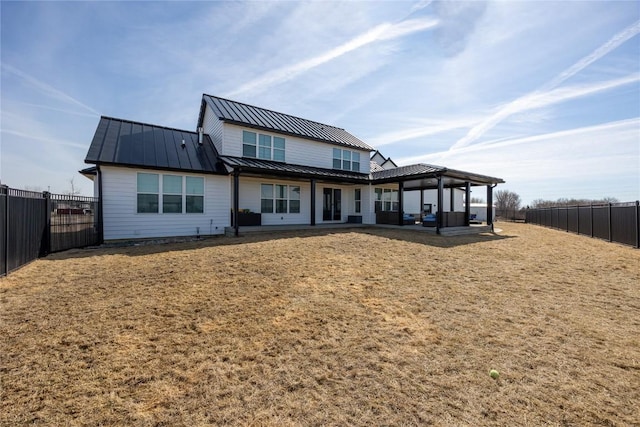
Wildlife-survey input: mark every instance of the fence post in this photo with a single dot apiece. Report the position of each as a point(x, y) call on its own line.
point(591, 214)
point(45, 246)
point(6, 230)
point(637, 224)
point(610, 224)
point(578, 219)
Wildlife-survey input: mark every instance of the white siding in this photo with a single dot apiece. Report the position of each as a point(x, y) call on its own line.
point(121, 220)
point(213, 127)
point(298, 151)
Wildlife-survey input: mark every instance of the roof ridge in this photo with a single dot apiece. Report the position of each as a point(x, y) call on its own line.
point(273, 111)
point(148, 124)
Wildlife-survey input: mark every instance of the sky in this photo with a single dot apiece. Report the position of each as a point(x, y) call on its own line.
point(543, 94)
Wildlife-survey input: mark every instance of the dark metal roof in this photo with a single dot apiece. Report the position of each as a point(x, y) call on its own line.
point(374, 166)
point(422, 170)
point(261, 118)
point(283, 169)
point(127, 143)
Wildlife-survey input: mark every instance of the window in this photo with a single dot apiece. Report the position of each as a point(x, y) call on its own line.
point(285, 198)
point(266, 194)
point(378, 200)
point(248, 144)
point(294, 199)
point(386, 199)
point(171, 194)
point(358, 199)
point(337, 158)
point(195, 194)
point(179, 194)
point(346, 160)
point(148, 190)
point(265, 147)
point(278, 149)
point(261, 146)
point(355, 161)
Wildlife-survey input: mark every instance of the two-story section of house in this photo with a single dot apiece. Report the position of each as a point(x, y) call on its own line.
point(250, 166)
point(288, 169)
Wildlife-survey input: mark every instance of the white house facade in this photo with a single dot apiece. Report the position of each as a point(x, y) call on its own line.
point(249, 166)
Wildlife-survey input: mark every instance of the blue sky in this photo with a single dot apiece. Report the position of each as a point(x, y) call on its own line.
point(545, 95)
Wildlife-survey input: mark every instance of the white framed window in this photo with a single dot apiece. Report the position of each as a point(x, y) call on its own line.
point(386, 199)
point(194, 194)
point(169, 194)
point(148, 193)
point(262, 146)
point(346, 160)
point(279, 198)
point(249, 144)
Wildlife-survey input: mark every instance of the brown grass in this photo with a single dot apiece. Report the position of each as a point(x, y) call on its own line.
point(354, 327)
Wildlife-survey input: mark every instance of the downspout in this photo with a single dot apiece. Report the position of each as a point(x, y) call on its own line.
point(100, 204)
point(236, 202)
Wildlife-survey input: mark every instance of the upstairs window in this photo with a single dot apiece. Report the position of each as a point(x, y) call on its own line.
point(346, 160)
point(261, 146)
point(248, 144)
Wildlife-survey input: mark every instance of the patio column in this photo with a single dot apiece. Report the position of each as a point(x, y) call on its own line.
point(313, 202)
point(236, 200)
point(440, 211)
point(400, 208)
point(490, 205)
point(421, 204)
point(467, 203)
point(451, 200)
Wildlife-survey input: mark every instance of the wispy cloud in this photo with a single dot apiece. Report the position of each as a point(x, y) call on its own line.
point(380, 32)
point(535, 99)
point(47, 89)
point(627, 128)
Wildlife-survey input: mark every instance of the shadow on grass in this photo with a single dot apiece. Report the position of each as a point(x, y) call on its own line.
point(150, 247)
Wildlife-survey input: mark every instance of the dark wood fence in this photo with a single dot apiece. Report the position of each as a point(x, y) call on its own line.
point(615, 222)
point(35, 224)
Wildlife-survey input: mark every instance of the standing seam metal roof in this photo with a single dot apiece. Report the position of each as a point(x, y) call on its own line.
point(249, 115)
point(128, 143)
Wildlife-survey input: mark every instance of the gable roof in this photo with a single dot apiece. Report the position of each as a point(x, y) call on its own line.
point(134, 144)
point(260, 118)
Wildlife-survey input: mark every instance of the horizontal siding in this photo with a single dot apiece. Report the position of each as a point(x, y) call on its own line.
point(121, 221)
point(298, 151)
point(213, 127)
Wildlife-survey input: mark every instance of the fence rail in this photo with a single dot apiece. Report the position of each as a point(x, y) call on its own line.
point(35, 224)
point(615, 222)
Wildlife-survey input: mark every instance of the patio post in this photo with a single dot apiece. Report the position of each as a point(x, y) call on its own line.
point(400, 207)
point(313, 202)
point(440, 211)
point(236, 201)
point(467, 203)
point(490, 205)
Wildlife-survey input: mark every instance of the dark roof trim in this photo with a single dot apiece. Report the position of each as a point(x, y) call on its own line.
point(221, 171)
point(93, 170)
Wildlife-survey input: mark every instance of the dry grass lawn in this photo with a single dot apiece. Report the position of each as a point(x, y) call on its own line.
point(344, 327)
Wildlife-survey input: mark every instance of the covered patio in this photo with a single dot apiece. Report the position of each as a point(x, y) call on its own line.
point(422, 177)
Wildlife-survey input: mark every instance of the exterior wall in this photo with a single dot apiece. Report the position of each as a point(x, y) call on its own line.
point(213, 127)
point(298, 151)
point(121, 220)
point(250, 199)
